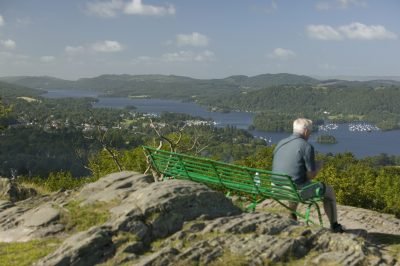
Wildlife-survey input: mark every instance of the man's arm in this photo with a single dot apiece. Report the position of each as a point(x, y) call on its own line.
point(312, 166)
point(312, 174)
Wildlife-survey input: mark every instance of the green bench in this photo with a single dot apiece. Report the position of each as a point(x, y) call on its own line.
point(255, 184)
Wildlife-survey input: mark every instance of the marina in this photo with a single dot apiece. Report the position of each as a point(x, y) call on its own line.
point(353, 127)
point(362, 127)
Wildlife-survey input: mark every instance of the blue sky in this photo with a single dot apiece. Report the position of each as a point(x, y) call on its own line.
point(202, 39)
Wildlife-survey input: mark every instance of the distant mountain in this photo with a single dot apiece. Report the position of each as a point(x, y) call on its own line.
point(164, 86)
point(359, 78)
point(180, 87)
point(360, 84)
point(267, 80)
point(13, 90)
point(42, 82)
point(106, 82)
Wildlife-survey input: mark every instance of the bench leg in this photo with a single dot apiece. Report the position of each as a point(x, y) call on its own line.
point(319, 215)
point(305, 216)
point(318, 211)
point(251, 207)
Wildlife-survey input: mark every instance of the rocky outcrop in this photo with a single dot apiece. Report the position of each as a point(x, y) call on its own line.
point(179, 222)
point(11, 191)
point(85, 248)
point(165, 206)
point(23, 223)
point(115, 186)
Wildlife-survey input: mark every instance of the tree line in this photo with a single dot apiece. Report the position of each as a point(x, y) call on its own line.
point(279, 104)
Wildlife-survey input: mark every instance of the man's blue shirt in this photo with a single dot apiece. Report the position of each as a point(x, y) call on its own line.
point(294, 156)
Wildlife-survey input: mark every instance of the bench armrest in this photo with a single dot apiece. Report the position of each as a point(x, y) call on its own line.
point(313, 190)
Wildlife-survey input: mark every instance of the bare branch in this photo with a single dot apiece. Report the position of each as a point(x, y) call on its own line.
point(102, 139)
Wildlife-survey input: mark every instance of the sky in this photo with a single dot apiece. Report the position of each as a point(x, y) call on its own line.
point(72, 39)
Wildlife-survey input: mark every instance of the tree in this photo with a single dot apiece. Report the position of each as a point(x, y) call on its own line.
point(4, 112)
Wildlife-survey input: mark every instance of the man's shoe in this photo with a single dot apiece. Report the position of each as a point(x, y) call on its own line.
point(337, 228)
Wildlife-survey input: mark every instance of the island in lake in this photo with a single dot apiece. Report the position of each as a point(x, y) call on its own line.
point(326, 139)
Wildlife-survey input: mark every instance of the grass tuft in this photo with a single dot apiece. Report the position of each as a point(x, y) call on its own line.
point(26, 253)
point(80, 218)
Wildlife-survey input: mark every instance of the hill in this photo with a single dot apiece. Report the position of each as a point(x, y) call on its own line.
point(161, 85)
point(126, 218)
point(267, 80)
point(43, 82)
point(13, 90)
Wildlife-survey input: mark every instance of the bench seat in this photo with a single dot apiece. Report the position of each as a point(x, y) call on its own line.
point(255, 184)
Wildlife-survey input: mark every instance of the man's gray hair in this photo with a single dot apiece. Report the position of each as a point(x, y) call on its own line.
point(301, 124)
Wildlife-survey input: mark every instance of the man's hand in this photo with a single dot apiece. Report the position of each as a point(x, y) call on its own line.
point(318, 166)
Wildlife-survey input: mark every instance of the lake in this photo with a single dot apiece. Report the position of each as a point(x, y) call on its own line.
point(361, 144)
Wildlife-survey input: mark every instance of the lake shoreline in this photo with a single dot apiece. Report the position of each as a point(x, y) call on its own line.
point(361, 144)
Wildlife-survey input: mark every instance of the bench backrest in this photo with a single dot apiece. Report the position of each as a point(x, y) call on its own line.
point(223, 175)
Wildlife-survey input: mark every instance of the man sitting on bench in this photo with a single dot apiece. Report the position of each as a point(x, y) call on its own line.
point(295, 157)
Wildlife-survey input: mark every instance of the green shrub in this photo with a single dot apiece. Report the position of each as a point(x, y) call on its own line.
point(65, 180)
point(55, 182)
point(102, 163)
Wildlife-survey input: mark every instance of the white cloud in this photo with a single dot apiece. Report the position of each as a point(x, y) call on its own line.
point(339, 4)
point(205, 56)
point(323, 32)
point(274, 5)
point(1, 21)
point(361, 31)
point(23, 22)
point(327, 66)
point(15, 59)
point(136, 7)
point(109, 9)
point(105, 9)
point(145, 60)
point(47, 59)
point(188, 56)
point(268, 8)
point(107, 47)
point(323, 6)
point(355, 31)
point(348, 3)
point(74, 50)
point(8, 44)
point(181, 56)
point(194, 39)
point(281, 53)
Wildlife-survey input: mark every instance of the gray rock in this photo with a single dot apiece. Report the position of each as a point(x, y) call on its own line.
point(167, 205)
point(22, 224)
point(115, 186)
point(83, 249)
point(40, 216)
point(261, 239)
point(4, 204)
point(137, 247)
point(160, 258)
point(263, 223)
